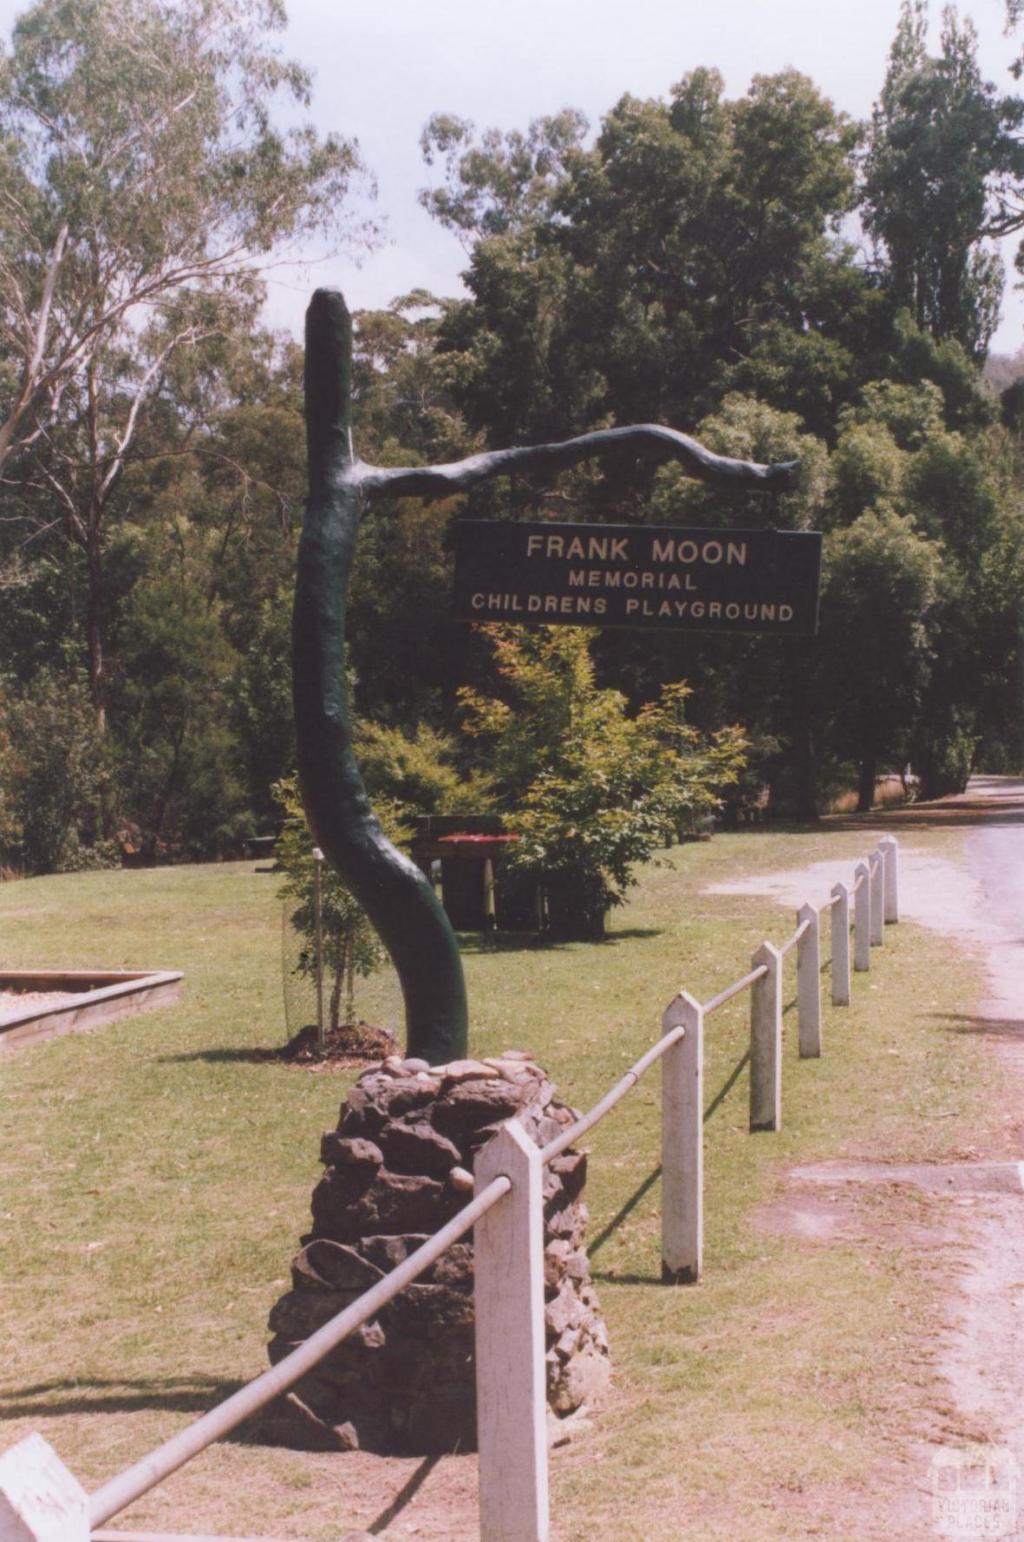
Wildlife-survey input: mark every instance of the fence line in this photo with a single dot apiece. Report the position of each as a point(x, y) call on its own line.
point(507, 1211)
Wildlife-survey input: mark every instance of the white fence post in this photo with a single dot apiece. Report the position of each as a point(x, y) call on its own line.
point(877, 870)
point(889, 846)
point(508, 1254)
point(840, 945)
point(682, 1144)
point(862, 918)
point(40, 1500)
point(808, 983)
point(766, 1041)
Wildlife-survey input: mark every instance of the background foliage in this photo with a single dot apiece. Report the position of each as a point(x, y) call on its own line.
point(760, 270)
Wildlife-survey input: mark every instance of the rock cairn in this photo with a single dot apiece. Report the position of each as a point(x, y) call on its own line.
point(396, 1171)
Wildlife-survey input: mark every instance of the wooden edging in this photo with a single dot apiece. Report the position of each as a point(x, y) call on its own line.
point(119, 993)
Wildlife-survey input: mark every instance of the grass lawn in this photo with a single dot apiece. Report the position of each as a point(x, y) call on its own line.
point(155, 1176)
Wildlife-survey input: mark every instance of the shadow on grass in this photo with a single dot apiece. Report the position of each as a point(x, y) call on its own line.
point(408, 1491)
point(944, 813)
point(227, 1055)
point(538, 942)
point(611, 1278)
point(779, 827)
point(627, 1209)
point(507, 942)
point(733, 1078)
point(957, 811)
point(175, 1394)
point(985, 1027)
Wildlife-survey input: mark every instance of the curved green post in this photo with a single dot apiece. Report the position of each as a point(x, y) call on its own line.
point(396, 896)
point(394, 893)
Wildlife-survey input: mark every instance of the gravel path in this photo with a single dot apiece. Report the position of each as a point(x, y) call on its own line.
point(982, 901)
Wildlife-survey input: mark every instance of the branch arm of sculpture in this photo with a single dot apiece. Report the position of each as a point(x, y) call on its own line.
point(650, 439)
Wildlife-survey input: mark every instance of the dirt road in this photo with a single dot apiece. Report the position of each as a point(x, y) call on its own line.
point(995, 860)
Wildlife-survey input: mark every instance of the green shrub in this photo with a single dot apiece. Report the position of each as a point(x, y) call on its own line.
point(418, 770)
point(592, 791)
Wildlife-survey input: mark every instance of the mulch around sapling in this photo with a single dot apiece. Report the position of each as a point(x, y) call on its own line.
point(348, 1045)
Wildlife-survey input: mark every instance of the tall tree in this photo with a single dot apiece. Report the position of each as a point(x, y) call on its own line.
point(940, 178)
point(881, 583)
point(641, 278)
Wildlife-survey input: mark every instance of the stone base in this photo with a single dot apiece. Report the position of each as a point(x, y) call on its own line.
point(394, 1174)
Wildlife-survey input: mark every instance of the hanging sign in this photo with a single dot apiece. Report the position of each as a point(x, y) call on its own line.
point(638, 576)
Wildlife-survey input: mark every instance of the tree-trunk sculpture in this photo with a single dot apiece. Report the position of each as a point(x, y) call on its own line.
point(397, 897)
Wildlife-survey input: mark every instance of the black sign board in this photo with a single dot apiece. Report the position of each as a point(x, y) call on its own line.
point(638, 576)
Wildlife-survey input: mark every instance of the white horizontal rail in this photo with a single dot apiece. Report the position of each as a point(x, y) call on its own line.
point(792, 941)
point(734, 990)
point(608, 1102)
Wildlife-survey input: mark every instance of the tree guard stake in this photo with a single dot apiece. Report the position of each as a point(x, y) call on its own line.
point(397, 897)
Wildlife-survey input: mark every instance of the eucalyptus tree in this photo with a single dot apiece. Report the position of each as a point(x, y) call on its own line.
point(143, 184)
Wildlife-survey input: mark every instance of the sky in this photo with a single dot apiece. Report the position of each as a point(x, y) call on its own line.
point(382, 67)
